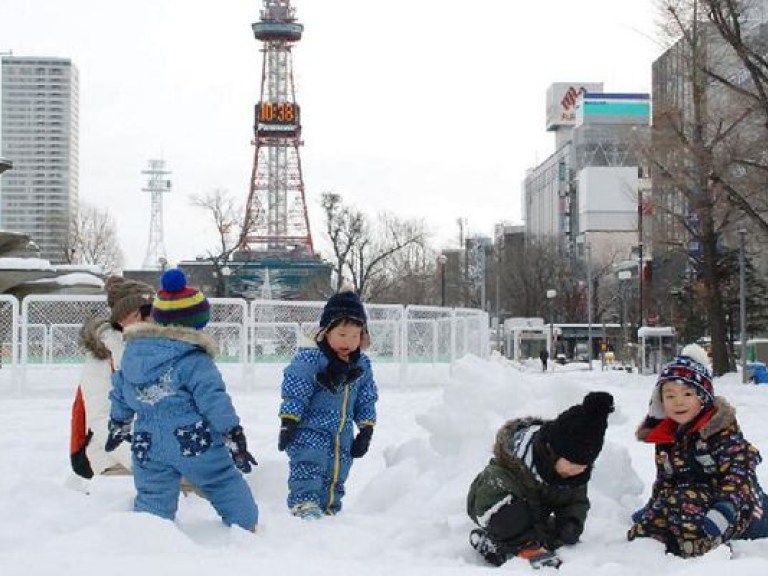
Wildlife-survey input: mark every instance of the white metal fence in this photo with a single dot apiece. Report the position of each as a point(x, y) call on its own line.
point(45, 331)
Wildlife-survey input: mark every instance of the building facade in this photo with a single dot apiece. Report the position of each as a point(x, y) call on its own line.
point(39, 133)
point(590, 188)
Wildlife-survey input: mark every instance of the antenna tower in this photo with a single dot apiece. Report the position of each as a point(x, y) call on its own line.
point(157, 185)
point(276, 218)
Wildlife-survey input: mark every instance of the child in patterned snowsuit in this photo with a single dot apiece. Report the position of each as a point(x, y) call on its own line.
point(532, 498)
point(185, 422)
point(325, 390)
point(706, 490)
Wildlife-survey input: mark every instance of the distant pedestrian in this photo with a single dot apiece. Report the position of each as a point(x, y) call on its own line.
point(544, 357)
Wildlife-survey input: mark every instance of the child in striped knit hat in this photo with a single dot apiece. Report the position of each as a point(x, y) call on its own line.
point(706, 490)
point(185, 422)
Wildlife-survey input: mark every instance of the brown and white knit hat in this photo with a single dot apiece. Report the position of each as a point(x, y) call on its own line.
point(125, 296)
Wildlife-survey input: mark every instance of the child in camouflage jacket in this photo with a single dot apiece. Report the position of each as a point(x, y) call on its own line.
point(531, 498)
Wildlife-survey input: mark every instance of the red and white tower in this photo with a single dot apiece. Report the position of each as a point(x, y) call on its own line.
point(276, 218)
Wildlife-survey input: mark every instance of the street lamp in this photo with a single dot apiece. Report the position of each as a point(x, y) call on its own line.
point(743, 303)
point(551, 295)
point(441, 260)
point(225, 272)
point(641, 319)
point(588, 251)
point(624, 275)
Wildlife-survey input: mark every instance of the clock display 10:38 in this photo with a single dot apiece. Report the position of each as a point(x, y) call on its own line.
point(277, 113)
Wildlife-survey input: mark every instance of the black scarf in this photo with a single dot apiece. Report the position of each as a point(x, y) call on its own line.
point(338, 372)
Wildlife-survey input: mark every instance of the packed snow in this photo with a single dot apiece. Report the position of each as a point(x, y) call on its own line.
point(404, 512)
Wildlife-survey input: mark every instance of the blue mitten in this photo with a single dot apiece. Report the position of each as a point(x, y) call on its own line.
point(119, 432)
point(719, 519)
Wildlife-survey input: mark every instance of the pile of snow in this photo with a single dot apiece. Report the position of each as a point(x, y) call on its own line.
point(405, 505)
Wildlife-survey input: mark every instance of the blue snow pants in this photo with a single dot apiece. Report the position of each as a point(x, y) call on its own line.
point(758, 528)
point(318, 469)
point(157, 477)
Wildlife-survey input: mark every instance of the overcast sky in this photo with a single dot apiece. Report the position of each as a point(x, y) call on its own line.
point(425, 108)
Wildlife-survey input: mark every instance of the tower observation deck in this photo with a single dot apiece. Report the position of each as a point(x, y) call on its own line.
point(276, 218)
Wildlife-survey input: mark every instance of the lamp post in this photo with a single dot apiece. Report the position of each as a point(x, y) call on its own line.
point(624, 275)
point(640, 318)
point(743, 303)
point(551, 295)
point(441, 260)
point(588, 252)
point(225, 273)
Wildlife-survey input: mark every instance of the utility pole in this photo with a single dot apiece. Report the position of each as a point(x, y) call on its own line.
point(588, 252)
point(743, 303)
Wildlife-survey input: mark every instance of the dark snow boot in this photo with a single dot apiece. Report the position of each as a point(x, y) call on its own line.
point(487, 548)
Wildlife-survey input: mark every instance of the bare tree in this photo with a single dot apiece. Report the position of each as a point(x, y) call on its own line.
point(389, 236)
point(697, 140)
point(93, 240)
point(225, 215)
point(344, 226)
point(362, 250)
point(738, 68)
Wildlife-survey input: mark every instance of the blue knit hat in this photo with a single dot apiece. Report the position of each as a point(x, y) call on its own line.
point(178, 304)
point(344, 304)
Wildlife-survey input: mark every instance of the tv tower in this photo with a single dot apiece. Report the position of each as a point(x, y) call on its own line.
point(276, 218)
point(157, 185)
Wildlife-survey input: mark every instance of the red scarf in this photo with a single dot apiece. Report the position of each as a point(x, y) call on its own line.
point(666, 431)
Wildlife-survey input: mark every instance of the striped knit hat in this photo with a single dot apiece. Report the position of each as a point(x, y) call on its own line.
point(690, 368)
point(178, 304)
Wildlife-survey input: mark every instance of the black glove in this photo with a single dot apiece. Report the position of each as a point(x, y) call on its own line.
point(119, 432)
point(569, 531)
point(238, 448)
point(287, 432)
point(362, 441)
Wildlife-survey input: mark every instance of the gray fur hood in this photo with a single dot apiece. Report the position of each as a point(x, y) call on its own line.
point(91, 337)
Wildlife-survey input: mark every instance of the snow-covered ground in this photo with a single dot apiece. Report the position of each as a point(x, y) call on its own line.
point(404, 512)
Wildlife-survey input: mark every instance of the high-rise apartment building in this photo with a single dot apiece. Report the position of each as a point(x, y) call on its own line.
point(39, 133)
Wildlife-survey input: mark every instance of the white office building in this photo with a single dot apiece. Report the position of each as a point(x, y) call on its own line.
point(39, 133)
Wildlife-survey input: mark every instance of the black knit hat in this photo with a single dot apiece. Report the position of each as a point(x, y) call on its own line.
point(344, 304)
point(577, 434)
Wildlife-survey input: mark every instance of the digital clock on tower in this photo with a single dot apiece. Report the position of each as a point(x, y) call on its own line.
point(277, 117)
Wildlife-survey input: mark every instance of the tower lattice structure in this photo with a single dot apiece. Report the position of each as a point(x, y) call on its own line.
point(157, 185)
point(276, 217)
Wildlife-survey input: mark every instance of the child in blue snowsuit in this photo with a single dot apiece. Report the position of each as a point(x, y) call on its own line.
point(325, 390)
point(185, 422)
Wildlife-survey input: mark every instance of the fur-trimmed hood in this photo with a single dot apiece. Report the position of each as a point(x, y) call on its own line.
point(502, 449)
point(92, 337)
point(723, 416)
point(180, 333)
